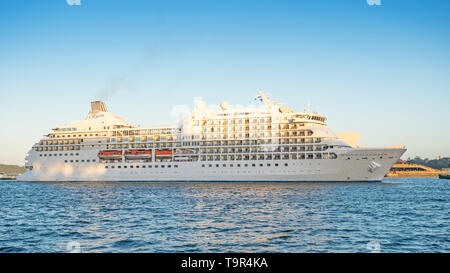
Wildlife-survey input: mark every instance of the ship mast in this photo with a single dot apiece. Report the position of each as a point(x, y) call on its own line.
point(283, 109)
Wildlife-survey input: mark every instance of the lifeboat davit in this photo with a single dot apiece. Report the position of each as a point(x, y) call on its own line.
point(138, 154)
point(110, 154)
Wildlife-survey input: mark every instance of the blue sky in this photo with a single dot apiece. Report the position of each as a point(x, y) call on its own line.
point(380, 70)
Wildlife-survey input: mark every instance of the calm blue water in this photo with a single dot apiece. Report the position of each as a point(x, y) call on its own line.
point(398, 215)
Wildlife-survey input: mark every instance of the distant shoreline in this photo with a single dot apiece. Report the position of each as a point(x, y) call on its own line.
point(11, 169)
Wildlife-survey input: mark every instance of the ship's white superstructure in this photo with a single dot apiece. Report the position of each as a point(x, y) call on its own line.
point(269, 143)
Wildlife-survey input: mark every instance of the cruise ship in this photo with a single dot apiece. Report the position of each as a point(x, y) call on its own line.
point(270, 142)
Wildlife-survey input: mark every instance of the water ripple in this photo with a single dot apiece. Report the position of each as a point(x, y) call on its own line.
point(401, 215)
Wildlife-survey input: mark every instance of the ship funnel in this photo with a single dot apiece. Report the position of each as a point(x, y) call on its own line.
point(97, 106)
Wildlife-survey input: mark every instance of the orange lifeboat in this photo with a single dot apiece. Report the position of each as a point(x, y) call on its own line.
point(110, 154)
point(163, 153)
point(138, 154)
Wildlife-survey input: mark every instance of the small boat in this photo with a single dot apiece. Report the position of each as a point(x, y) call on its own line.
point(444, 176)
point(110, 154)
point(4, 176)
point(404, 169)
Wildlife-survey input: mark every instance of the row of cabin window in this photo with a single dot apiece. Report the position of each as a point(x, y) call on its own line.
point(145, 132)
point(232, 121)
point(168, 145)
point(254, 129)
point(163, 138)
point(59, 148)
point(81, 160)
point(248, 127)
point(245, 165)
point(284, 121)
point(239, 136)
point(71, 154)
point(137, 166)
point(64, 148)
point(282, 139)
point(268, 157)
point(71, 143)
point(61, 142)
point(79, 135)
point(263, 149)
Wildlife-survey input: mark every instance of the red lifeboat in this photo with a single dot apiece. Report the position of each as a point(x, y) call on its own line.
point(163, 153)
point(110, 154)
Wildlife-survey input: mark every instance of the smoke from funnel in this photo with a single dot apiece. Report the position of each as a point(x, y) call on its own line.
point(112, 86)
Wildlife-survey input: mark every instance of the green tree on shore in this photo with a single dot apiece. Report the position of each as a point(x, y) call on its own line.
point(432, 163)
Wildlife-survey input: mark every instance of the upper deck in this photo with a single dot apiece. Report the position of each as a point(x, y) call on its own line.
point(272, 124)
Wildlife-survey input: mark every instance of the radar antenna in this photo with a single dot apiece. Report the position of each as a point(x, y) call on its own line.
point(262, 97)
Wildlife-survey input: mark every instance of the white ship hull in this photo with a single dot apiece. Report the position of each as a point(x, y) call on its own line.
point(352, 164)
